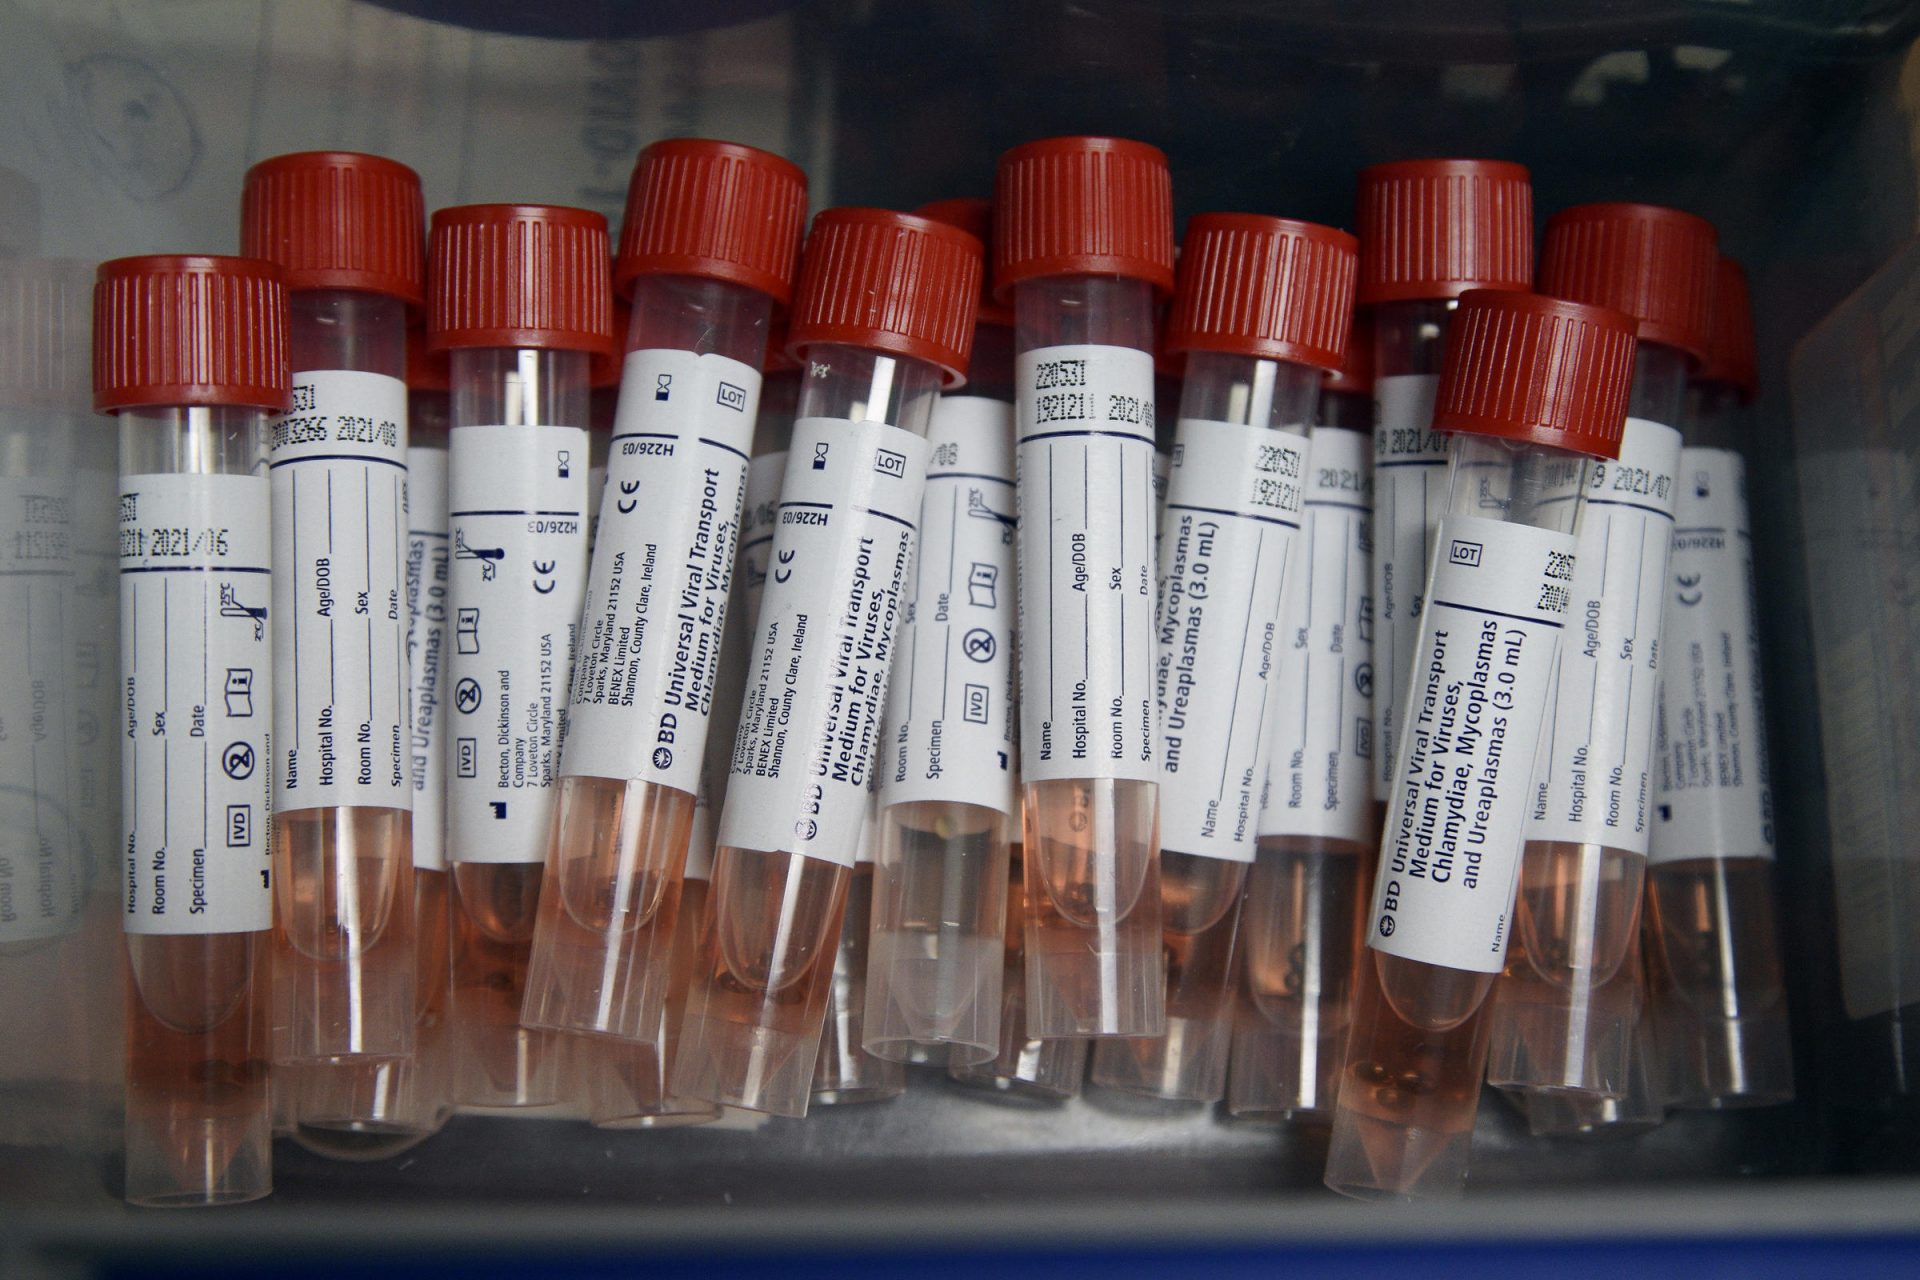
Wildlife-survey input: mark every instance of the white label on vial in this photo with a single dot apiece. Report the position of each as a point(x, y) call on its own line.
point(518, 521)
point(429, 551)
point(1320, 771)
point(339, 529)
point(1484, 665)
point(817, 677)
point(1713, 798)
point(759, 516)
point(1087, 575)
point(1233, 508)
point(949, 731)
point(643, 684)
point(197, 664)
point(1409, 495)
point(1592, 779)
point(42, 873)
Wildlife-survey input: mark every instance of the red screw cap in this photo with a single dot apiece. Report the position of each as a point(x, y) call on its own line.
point(188, 329)
point(607, 369)
point(719, 210)
point(1082, 207)
point(519, 275)
point(1433, 229)
point(1730, 337)
point(1355, 374)
point(973, 215)
point(1266, 287)
point(1527, 367)
point(337, 220)
point(892, 282)
point(1655, 264)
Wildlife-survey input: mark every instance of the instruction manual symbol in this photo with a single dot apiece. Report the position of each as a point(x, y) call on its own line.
point(239, 691)
point(983, 585)
point(230, 607)
point(489, 557)
point(467, 635)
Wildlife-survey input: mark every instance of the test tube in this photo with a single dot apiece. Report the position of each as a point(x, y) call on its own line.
point(1025, 1068)
point(519, 296)
point(1640, 1106)
point(1308, 884)
point(883, 314)
point(346, 230)
point(1566, 1007)
point(947, 773)
point(190, 353)
point(707, 251)
point(1083, 244)
point(844, 1071)
point(52, 888)
point(1534, 387)
point(1429, 231)
point(376, 1108)
point(1262, 310)
point(1715, 968)
point(627, 1081)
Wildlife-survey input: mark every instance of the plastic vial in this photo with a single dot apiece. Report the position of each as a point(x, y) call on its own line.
point(375, 1109)
point(1566, 1009)
point(883, 314)
point(346, 229)
point(707, 250)
point(627, 1081)
point(1714, 960)
point(1262, 310)
point(1025, 1068)
point(844, 1071)
point(1307, 888)
point(191, 354)
point(1429, 231)
point(1083, 243)
point(1640, 1106)
point(55, 890)
point(1533, 386)
point(519, 296)
point(948, 776)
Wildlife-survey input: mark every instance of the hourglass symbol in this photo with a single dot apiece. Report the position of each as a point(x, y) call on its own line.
point(820, 456)
point(662, 386)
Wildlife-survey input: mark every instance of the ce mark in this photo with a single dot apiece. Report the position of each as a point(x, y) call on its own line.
point(1689, 593)
point(628, 488)
point(785, 558)
point(543, 576)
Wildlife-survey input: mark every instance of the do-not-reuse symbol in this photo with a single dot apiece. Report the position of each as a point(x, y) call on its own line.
point(466, 696)
point(979, 645)
point(237, 760)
